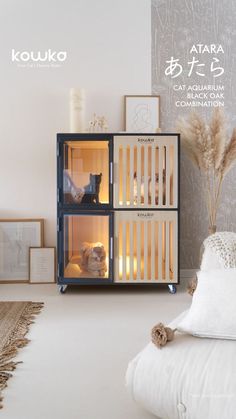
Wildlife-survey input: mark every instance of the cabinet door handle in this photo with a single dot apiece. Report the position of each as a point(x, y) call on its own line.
point(111, 248)
point(111, 172)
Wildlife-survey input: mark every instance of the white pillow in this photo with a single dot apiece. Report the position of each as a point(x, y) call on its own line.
point(213, 310)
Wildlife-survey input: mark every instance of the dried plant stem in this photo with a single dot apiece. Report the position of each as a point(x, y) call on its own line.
point(214, 154)
point(212, 187)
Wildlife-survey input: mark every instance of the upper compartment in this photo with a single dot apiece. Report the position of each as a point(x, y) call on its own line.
point(146, 171)
point(120, 171)
point(86, 172)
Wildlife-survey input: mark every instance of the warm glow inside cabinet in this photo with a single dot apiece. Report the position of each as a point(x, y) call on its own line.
point(85, 177)
point(87, 247)
point(118, 208)
point(146, 247)
point(146, 171)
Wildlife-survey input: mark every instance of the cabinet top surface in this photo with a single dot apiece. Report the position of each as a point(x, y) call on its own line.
point(106, 135)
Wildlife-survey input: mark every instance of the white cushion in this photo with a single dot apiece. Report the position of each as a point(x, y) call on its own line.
point(213, 310)
point(188, 378)
point(210, 260)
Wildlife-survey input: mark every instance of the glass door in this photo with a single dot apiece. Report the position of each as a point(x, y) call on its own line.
point(88, 247)
point(86, 173)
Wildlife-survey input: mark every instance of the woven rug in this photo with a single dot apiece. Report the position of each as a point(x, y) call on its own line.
point(15, 320)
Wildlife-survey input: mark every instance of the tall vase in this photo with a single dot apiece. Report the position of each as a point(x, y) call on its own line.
point(77, 110)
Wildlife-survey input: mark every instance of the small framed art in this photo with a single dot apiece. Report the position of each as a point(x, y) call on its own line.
point(42, 265)
point(142, 114)
point(16, 237)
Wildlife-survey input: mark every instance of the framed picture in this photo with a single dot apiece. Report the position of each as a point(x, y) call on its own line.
point(142, 114)
point(42, 265)
point(16, 237)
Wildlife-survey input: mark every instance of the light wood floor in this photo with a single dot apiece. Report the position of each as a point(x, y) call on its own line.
point(74, 367)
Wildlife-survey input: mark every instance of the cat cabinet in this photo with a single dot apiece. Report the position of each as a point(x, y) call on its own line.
point(118, 209)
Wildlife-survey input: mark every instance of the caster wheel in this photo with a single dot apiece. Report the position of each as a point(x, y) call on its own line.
point(62, 289)
point(172, 289)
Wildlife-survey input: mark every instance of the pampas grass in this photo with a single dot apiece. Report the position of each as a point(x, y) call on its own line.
point(229, 156)
point(212, 151)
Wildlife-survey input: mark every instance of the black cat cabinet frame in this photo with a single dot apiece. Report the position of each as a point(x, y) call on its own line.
point(118, 209)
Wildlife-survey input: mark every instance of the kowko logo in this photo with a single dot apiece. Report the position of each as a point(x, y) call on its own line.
point(47, 57)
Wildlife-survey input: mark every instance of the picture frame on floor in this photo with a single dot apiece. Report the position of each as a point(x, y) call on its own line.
point(16, 237)
point(42, 265)
point(142, 113)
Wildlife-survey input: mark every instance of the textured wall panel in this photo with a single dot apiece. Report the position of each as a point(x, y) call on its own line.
point(176, 26)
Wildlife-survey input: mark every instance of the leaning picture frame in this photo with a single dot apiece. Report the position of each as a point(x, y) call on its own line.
point(142, 113)
point(16, 237)
point(42, 265)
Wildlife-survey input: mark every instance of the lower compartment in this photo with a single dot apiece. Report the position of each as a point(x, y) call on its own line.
point(119, 247)
point(87, 246)
point(146, 246)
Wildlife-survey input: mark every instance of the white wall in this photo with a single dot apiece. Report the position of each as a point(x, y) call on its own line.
point(109, 54)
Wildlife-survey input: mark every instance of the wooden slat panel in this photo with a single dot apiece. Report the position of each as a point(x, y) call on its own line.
point(117, 169)
point(153, 177)
point(153, 256)
point(145, 253)
point(160, 177)
point(131, 250)
point(152, 238)
point(131, 171)
point(171, 250)
point(139, 175)
point(160, 250)
point(160, 142)
point(124, 250)
point(116, 248)
point(167, 252)
point(138, 237)
point(146, 176)
point(124, 168)
point(167, 202)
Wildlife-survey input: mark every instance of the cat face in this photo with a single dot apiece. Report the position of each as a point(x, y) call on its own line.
point(98, 254)
point(95, 179)
point(93, 258)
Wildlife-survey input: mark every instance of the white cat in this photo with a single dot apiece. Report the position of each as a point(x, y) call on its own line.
point(142, 189)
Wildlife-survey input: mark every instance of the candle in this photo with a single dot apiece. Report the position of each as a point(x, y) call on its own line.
point(77, 110)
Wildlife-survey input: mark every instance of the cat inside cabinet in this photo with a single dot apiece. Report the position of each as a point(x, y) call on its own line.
point(86, 168)
point(146, 171)
point(87, 246)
